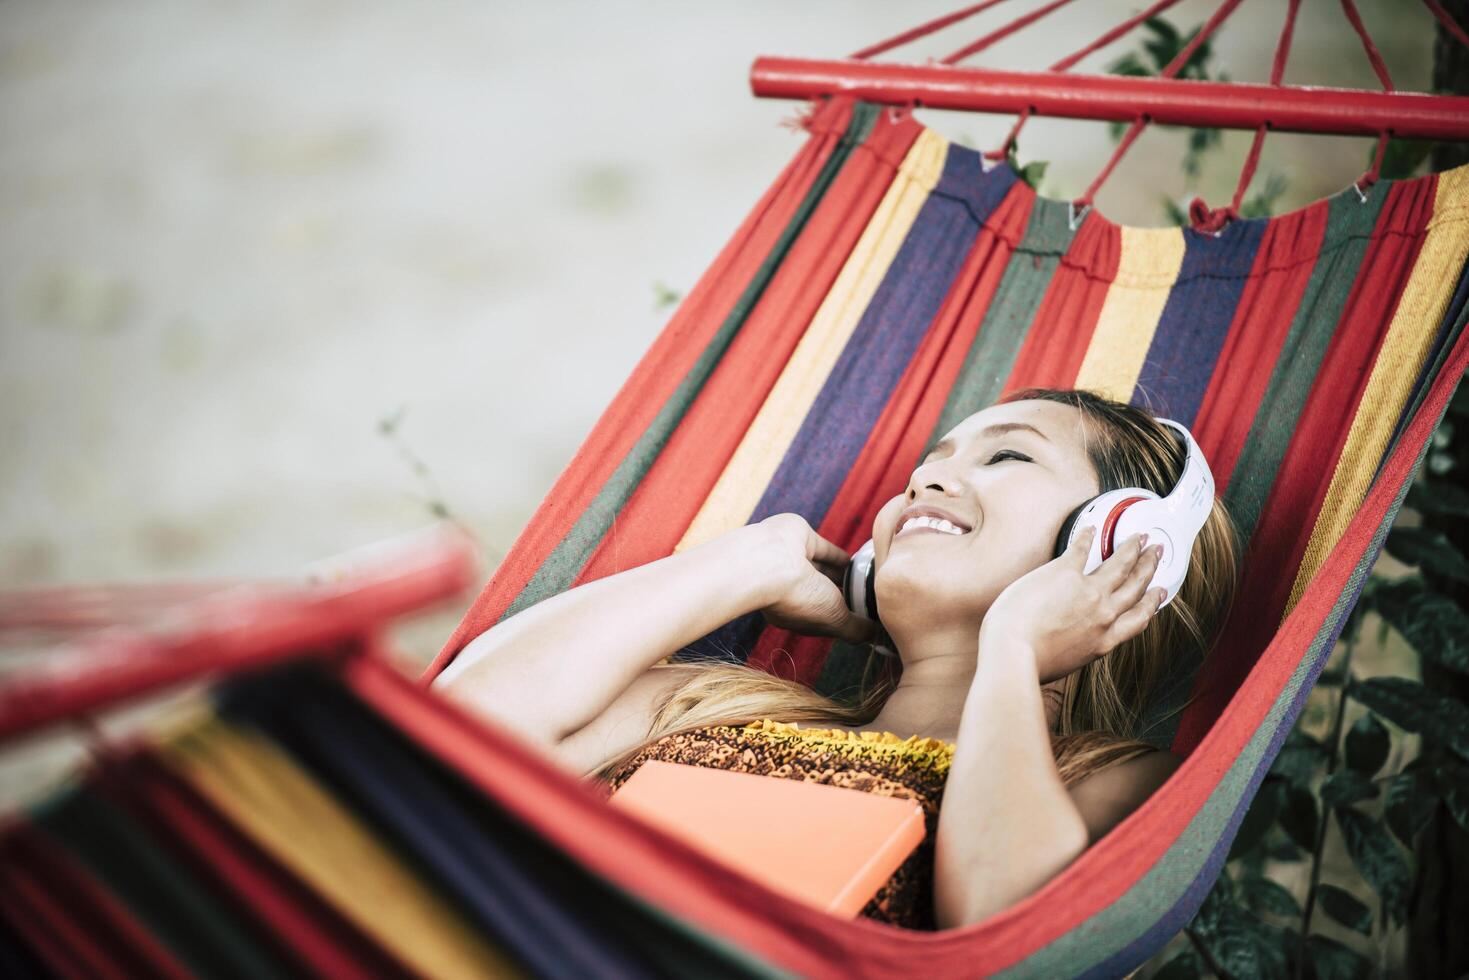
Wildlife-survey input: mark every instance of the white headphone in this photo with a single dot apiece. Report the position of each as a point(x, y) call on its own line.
point(1173, 521)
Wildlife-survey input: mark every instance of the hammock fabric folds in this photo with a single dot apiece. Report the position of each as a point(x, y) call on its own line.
point(887, 285)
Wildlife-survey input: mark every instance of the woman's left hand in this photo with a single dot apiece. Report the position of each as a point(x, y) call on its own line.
point(1067, 617)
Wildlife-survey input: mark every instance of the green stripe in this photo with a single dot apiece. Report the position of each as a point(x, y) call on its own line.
point(165, 898)
point(1110, 930)
point(1010, 316)
point(572, 553)
point(1350, 225)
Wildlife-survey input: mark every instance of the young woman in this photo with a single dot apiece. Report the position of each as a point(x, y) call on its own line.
point(1023, 677)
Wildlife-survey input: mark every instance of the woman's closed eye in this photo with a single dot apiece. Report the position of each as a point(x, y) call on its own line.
point(1010, 454)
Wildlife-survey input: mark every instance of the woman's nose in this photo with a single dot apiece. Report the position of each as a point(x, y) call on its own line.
point(934, 478)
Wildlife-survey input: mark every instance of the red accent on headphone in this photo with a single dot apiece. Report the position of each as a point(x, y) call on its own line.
point(1110, 524)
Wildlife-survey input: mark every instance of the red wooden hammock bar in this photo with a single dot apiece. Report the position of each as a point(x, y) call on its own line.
point(1140, 101)
point(1229, 105)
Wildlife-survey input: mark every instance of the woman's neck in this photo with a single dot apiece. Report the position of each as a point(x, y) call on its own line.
point(929, 699)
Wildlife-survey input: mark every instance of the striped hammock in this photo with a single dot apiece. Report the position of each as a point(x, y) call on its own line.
point(886, 286)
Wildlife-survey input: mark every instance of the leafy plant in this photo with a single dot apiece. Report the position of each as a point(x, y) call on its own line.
point(1032, 172)
point(1359, 787)
point(1161, 45)
point(1344, 784)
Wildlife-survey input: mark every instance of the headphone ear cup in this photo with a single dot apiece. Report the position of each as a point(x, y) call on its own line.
point(857, 582)
point(1063, 539)
point(871, 612)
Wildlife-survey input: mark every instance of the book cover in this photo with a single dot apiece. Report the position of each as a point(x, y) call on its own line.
point(829, 847)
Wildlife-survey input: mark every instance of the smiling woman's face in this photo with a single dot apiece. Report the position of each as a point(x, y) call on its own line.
point(1007, 477)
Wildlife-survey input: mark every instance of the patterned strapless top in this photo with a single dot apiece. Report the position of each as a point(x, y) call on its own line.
point(874, 762)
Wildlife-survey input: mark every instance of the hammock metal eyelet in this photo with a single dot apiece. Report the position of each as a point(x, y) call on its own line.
point(1075, 217)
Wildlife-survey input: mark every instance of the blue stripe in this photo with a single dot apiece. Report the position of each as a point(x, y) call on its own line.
point(868, 370)
point(1196, 319)
point(895, 322)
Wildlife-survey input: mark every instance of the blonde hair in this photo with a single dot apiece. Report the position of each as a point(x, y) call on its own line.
point(1102, 703)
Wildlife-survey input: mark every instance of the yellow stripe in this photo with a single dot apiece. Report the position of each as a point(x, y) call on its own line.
point(1409, 338)
point(1146, 271)
point(753, 465)
point(263, 792)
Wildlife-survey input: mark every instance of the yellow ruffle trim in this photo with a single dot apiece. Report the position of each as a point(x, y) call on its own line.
point(914, 744)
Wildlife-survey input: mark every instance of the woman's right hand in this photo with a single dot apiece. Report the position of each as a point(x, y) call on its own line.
point(804, 581)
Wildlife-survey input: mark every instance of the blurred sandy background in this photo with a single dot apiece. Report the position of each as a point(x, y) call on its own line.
point(278, 279)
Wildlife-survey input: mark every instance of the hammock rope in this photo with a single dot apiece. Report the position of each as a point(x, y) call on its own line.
point(1179, 62)
point(1067, 62)
point(1202, 217)
point(1447, 22)
point(1019, 23)
point(923, 30)
point(1379, 67)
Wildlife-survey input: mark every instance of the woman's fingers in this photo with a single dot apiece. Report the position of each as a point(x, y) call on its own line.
point(1119, 565)
point(1137, 616)
point(1080, 547)
point(824, 552)
point(1131, 588)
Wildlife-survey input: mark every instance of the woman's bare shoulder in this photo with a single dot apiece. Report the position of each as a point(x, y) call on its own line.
point(1105, 798)
point(623, 724)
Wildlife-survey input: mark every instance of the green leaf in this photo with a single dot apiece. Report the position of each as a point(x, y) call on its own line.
point(1402, 158)
point(1300, 758)
point(1428, 549)
point(1299, 817)
point(1128, 64)
point(1444, 500)
point(1345, 908)
point(1187, 965)
point(1262, 203)
point(1176, 215)
point(1241, 944)
point(1279, 847)
point(1330, 960)
point(1262, 813)
point(1459, 404)
point(1032, 172)
point(1367, 746)
point(1453, 782)
point(1416, 708)
point(1378, 858)
point(1345, 788)
point(1265, 895)
point(1432, 623)
point(1409, 805)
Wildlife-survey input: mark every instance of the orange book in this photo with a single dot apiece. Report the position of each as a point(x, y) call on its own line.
point(823, 845)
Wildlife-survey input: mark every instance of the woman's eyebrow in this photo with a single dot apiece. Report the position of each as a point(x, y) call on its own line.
point(1001, 428)
point(998, 429)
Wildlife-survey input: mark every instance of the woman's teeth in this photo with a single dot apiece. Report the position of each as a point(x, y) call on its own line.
point(937, 523)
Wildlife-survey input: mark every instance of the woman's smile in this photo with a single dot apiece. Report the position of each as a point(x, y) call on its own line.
point(921, 525)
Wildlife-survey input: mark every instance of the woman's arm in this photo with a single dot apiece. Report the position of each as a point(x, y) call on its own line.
point(551, 670)
point(547, 671)
point(1007, 824)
